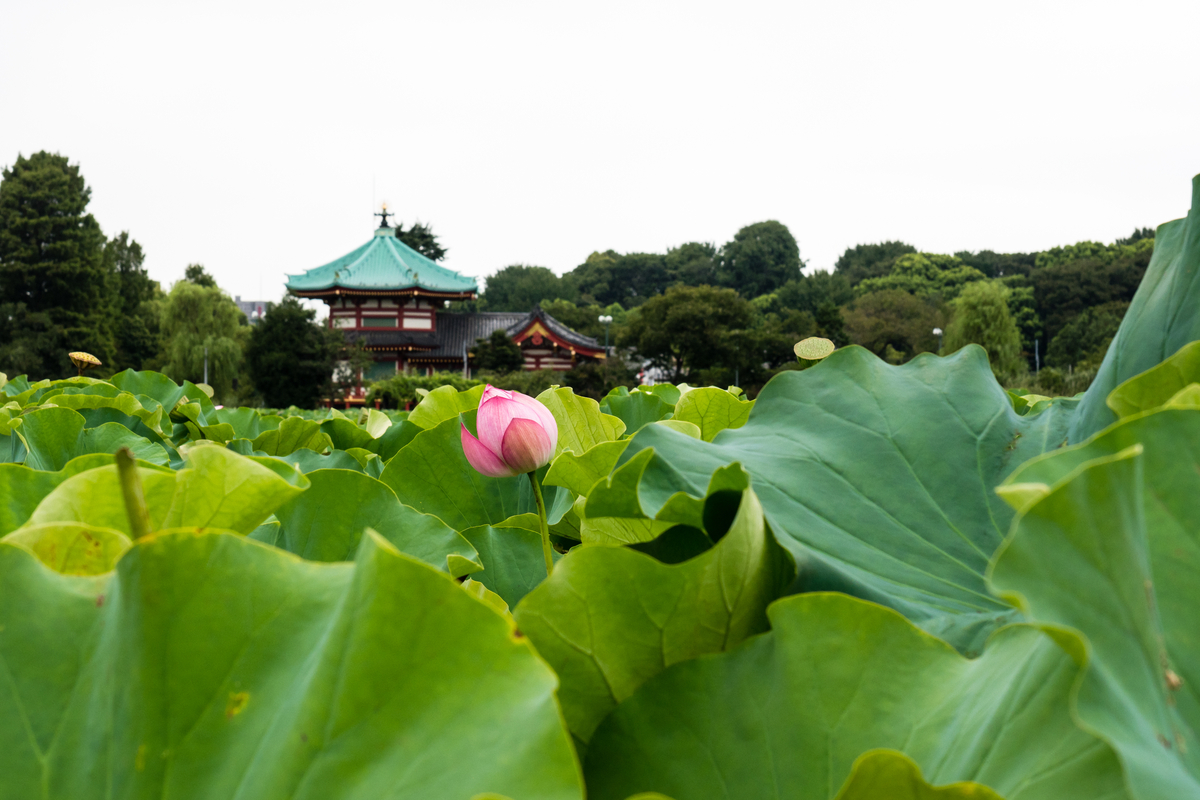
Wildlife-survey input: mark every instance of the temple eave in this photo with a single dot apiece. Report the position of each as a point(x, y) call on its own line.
point(416, 291)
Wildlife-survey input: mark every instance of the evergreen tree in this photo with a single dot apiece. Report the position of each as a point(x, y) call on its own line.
point(761, 258)
point(420, 237)
point(289, 356)
point(52, 263)
point(195, 274)
point(138, 332)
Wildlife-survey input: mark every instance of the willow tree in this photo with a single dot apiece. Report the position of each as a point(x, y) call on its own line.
point(197, 319)
point(981, 316)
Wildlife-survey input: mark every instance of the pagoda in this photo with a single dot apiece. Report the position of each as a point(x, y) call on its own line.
point(392, 299)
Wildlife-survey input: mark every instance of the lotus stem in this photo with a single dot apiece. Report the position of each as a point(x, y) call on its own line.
point(135, 499)
point(547, 550)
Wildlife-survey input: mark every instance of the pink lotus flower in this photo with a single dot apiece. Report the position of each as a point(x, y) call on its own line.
point(517, 434)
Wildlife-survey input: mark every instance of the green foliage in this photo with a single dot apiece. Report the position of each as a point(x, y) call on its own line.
point(498, 353)
point(195, 273)
point(892, 321)
point(289, 357)
point(520, 287)
point(52, 268)
point(1085, 338)
point(420, 237)
point(1069, 280)
point(526, 381)
point(404, 388)
point(923, 274)
point(815, 290)
point(688, 329)
point(870, 260)
point(760, 259)
point(195, 317)
point(981, 317)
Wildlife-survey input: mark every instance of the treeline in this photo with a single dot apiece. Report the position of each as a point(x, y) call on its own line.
point(714, 315)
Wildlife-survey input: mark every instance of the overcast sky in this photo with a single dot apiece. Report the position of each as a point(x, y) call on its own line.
point(257, 138)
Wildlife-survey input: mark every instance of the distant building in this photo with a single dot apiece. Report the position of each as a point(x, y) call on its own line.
point(390, 297)
point(253, 309)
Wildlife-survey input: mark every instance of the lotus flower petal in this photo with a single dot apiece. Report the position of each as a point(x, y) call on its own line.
point(496, 411)
point(527, 445)
point(482, 459)
point(543, 415)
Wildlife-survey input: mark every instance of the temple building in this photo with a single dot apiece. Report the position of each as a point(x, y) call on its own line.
point(393, 299)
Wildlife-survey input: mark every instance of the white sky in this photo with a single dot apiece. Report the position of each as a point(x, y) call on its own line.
point(253, 138)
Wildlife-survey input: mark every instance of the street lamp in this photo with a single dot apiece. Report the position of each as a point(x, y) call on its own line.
point(938, 333)
point(607, 320)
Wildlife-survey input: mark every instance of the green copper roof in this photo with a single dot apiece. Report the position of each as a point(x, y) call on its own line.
point(384, 263)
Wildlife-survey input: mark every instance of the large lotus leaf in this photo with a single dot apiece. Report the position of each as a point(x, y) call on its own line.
point(211, 666)
point(1087, 559)
point(54, 436)
point(581, 425)
point(72, 548)
point(512, 559)
point(123, 402)
point(293, 434)
point(610, 618)
point(247, 423)
point(443, 403)
point(393, 439)
point(877, 478)
point(636, 409)
point(712, 410)
point(94, 498)
point(155, 385)
point(344, 434)
point(326, 523)
point(579, 473)
point(1156, 386)
point(887, 774)
point(1163, 317)
point(303, 459)
point(22, 488)
point(216, 489)
point(432, 475)
point(787, 713)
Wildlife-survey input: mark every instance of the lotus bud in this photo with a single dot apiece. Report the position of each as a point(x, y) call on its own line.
point(517, 434)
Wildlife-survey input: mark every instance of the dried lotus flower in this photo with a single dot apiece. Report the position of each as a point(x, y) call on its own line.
point(83, 361)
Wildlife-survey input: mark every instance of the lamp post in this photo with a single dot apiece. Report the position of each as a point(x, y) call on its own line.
point(938, 333)
point(607, 320)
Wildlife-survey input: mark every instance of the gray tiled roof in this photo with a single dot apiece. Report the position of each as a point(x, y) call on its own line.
point(455, 330)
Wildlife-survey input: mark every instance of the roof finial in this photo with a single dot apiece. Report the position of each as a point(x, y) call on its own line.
point(385, 215)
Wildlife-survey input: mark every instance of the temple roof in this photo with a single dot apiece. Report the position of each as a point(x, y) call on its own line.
point(454, 330)
point(384, 264)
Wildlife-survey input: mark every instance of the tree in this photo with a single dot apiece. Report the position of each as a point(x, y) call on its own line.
point(761, 258)
point(497, 353)
point(1073, 278)
point(894, 323)
point(981, 316)
point(1138, 235)
point(29, 341)
point(195, 274)
point(998, 265)
point(420, 237)
point(923, 274)
point(196, 318)
point(609, 277)
point(138, 332)
point(870, 260)
point(52, 263)
point(810, 292)
point(520, 287)
point(692, 264)
point(688, 329)
point(1086, 337)
point(586, 319)
point(289, 356)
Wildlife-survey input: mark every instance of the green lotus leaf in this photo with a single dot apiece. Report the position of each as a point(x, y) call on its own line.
point(375, 423)
point(877, 478)
point(638, 408)
point(294, 433)
point(22, 488)
point(712, 410)
point(247, 423)
point(432, 475)
point(72, 548)
point(668, 392)
point(788, 713)
point(212, 666)
point(610, 618)
point(887, 773)
point(155, 385)
point(688, 429)
point(123, 402)
point(581, 425)
point(1157, 385)
point(344, 434)
point(443, 403)
point(512, 559)
point(326, 523)
point(394, 439)
point(1109, 556)
point(1163, 317)
point(54, 436)
point(222, 432)
point(579, 473)
point(94, 498)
